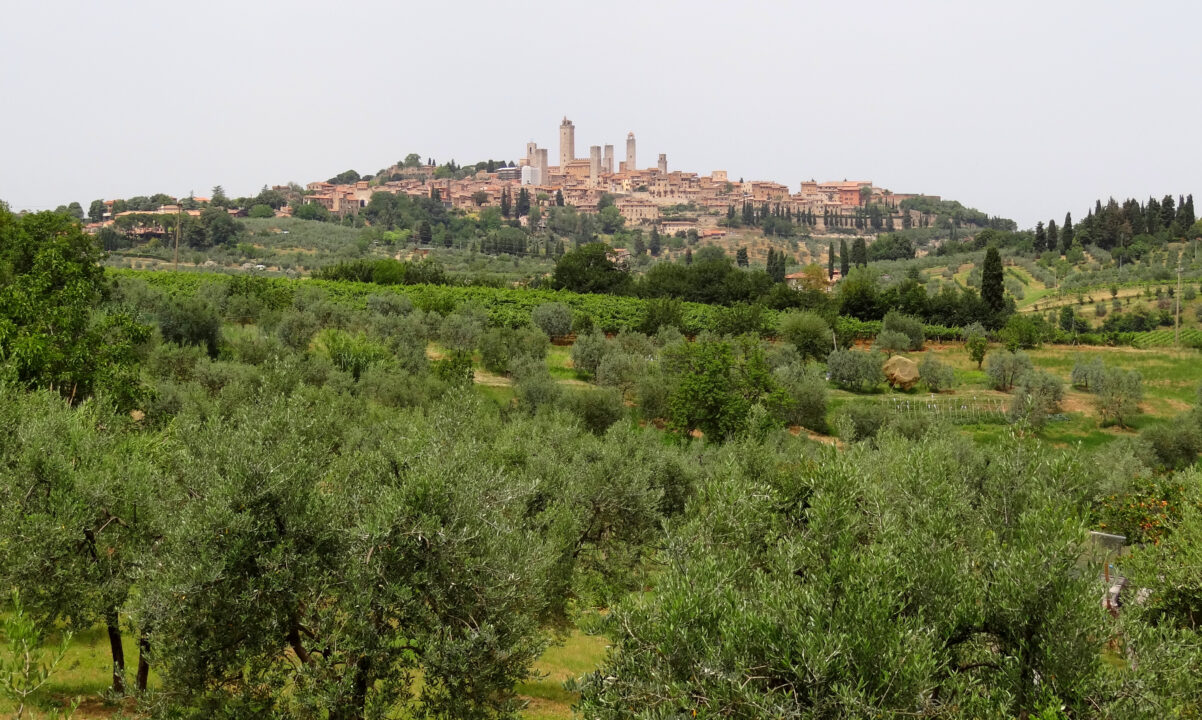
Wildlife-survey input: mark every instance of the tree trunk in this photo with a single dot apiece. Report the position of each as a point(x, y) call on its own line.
point(143, 662)
point(114, 630)
point(359, 699)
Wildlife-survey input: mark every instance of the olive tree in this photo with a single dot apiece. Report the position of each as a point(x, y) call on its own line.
point(926, 578)
point(76, 515)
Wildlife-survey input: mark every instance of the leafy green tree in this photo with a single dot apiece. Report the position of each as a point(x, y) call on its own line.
point(855, 370)
point(1118, 394)
point(808, 332)
point(789, 548)
point(554, 319)
point(713, 391)
point(1005, 368)
point(559, 198)
point(311, 211)
point(50, 335)
point(992, 281)
point(295, 586)
point(218, 198)
point(588, 269)
point(741, 257)
point(937, 375)
point(976, 343)
point(1037, 395)
point(97, 210)
point(76, 513)
point(261, 211)
point(610, 219)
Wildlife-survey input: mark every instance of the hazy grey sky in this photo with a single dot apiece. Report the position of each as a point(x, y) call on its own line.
point(1023, 109)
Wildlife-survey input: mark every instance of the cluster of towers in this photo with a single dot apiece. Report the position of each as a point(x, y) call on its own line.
point(600, 160)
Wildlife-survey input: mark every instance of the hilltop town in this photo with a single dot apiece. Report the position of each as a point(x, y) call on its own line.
point(641, 192)
point(673, 202)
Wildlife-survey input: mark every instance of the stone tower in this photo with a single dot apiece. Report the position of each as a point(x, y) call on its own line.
point(663, 164)
point(594, 165)
point(543, 176)
point(567, 143)
point(531, 152)
point(630, 166)
point(607, 160)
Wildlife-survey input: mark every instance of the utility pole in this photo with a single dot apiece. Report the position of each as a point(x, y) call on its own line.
point(1177, 325)
point(179, 208)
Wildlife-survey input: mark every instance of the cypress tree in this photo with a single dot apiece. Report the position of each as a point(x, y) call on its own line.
point(688, 256)
point(992, 291)
point(559, 198)
point(654, 244)
point(1066, 232)
point(1041, 238)
point(506, 203)
point(844, 260)
point(830, 261)
point(1168, 212)
point(741, 257)
point(859, 253)
point(1053, 236)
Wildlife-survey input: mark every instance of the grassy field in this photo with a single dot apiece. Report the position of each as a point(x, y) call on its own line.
point(1171, 378)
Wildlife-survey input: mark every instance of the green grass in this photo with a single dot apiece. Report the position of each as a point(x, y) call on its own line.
point(85, 673)
point(578, 654)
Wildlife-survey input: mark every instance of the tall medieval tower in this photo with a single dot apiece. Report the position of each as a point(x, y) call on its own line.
point(663, 164)
point(567, 143)
point(630, 166)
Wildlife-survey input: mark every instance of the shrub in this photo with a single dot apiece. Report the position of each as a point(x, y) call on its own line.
point(389, 304)
point(1037, 394)
point(597, 408)
point(620, 369)
point(661, 312)
point(250, 345)
point(499, 347)
point(582, 323)
point(808, 332)
point(890, 342)
point(588, 351)
point(937, 375)
point(1177, 444)
point(533, 385)
point(806, 390)
point(907, 325)
point(1005, 368)
point(1022, 332)
point(351, 353)
point(651, 394)
point(555, 319)
point(1118, 394)
point(192, 321)
point(176, 362)
point(740, 319)
point(855, 370)
point(460, 331)
point(861, 420)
